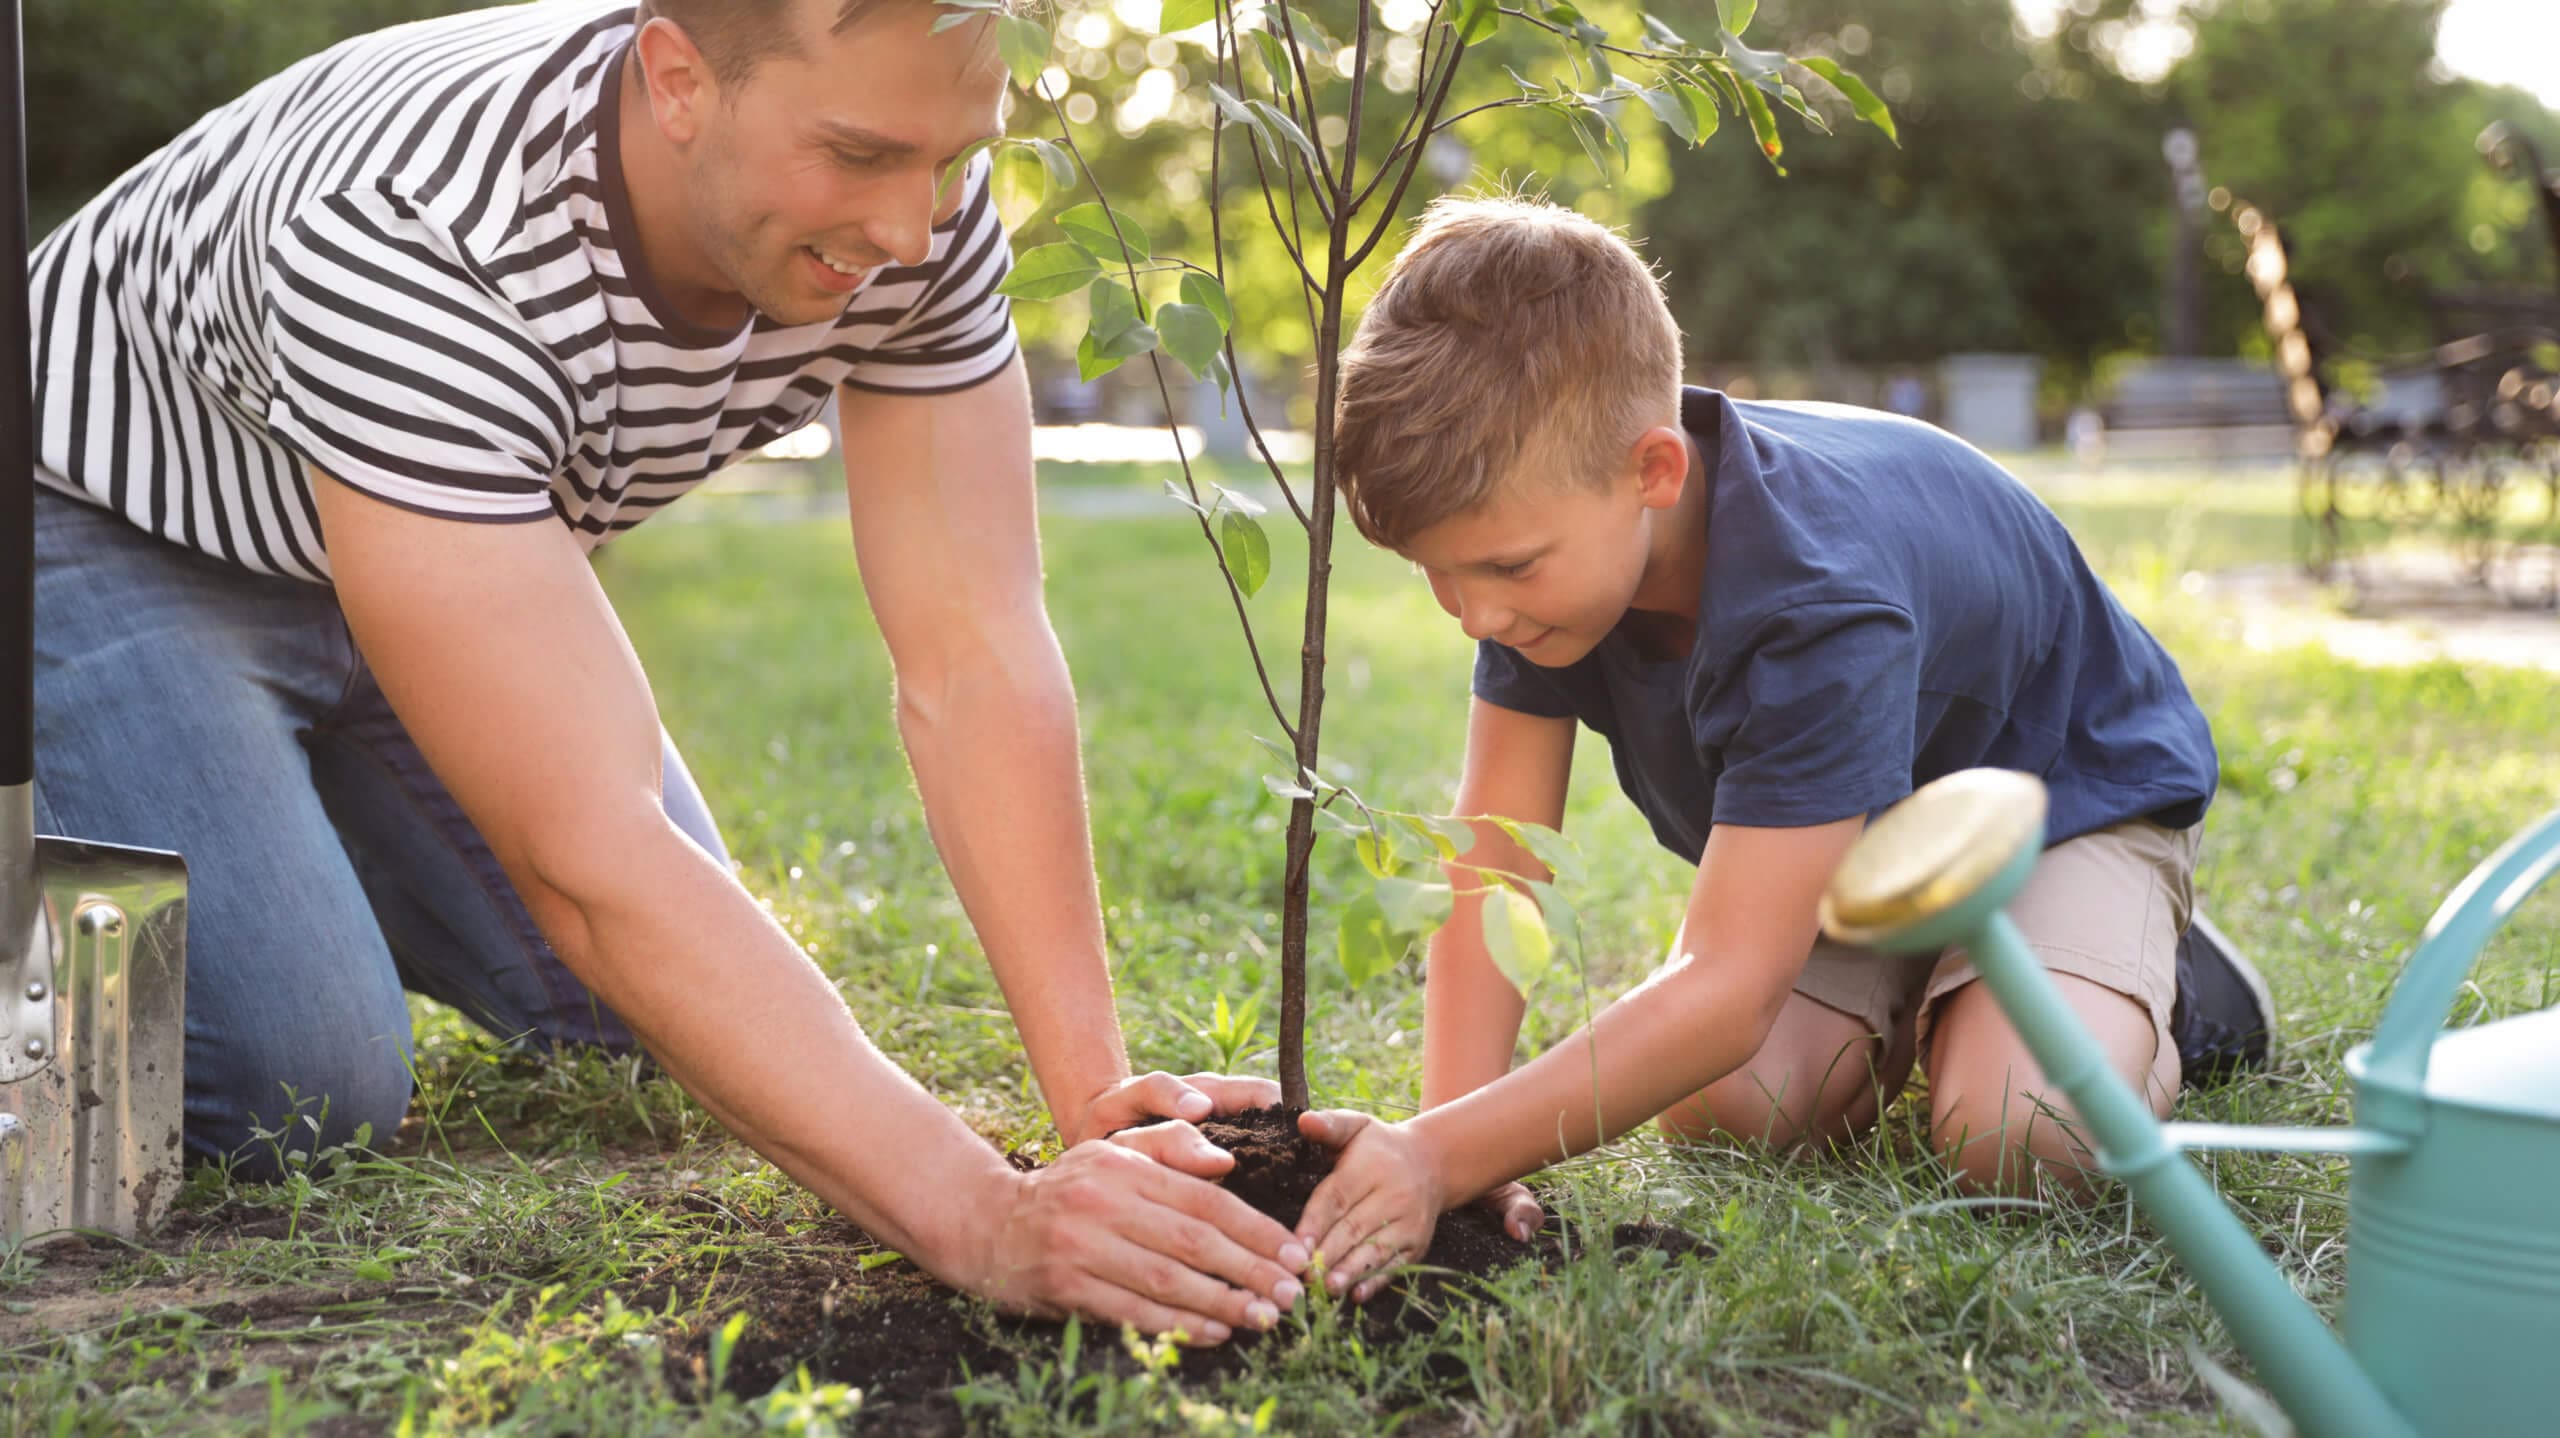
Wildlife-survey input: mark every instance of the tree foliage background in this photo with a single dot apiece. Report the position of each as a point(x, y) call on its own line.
point(2026, 208)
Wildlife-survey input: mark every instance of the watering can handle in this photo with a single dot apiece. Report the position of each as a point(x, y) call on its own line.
point(2424, 996)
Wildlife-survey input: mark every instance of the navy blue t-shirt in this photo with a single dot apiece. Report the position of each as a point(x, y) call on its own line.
point(1882, 605)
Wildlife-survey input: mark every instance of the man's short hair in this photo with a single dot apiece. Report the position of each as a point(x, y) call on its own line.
point(1512, 336)
point(734, 36)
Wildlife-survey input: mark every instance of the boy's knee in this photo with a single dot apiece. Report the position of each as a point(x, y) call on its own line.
point(274, 1108)
point(2003, 1139)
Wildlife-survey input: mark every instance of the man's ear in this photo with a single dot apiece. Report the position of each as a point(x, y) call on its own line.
point(681, 87)
point(1662, 466)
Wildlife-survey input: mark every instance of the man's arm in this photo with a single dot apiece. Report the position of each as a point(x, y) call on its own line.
point(1518, 766)
point(1750, 924)
point(502, 657)
point(946, 527)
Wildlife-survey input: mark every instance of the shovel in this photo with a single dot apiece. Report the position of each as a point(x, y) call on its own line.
point(93, 974)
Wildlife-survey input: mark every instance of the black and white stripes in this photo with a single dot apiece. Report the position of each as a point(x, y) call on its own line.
point(396, 260)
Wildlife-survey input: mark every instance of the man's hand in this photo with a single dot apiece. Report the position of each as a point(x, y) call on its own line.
point(1115, 1235)
point(1147, 1097)
point(1378, 1207)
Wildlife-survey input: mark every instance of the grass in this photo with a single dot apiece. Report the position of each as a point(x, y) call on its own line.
point(558, 1247)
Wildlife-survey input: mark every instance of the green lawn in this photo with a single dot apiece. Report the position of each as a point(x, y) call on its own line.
point(533, 1245)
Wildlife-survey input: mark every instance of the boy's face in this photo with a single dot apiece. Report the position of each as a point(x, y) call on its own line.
point(1549, 569)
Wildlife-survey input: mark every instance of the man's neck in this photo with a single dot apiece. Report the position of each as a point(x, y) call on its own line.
point(654, 186)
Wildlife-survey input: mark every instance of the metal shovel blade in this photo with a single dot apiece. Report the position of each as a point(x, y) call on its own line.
point(92, 1102)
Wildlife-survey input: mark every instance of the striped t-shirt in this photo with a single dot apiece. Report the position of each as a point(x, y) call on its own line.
point(397, 260)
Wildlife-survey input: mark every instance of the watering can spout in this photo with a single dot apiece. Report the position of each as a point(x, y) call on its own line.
point(1935, 871)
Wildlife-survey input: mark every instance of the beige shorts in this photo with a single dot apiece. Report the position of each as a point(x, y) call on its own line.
point(2107, 907)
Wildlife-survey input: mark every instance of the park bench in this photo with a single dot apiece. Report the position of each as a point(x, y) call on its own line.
point(2443, 437)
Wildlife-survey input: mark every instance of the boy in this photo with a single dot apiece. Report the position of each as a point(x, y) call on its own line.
point(1783, 618)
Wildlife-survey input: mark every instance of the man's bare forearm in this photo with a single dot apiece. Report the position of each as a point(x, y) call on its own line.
point(992, 736)
point(742, 1018)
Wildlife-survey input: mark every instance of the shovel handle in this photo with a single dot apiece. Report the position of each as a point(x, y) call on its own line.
point(2396, 1067)
point(17, 428)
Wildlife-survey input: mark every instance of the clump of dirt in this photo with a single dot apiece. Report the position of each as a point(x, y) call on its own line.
point(850, 1314)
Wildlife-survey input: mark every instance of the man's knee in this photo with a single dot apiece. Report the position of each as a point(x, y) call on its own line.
point(269, 1107)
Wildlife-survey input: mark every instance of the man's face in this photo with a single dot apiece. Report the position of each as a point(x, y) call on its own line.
point(1546, 568)
point(827, 163)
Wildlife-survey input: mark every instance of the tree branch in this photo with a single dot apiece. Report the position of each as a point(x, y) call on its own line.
point(1413, 161)
point(1298, 62)
point(1164, 392)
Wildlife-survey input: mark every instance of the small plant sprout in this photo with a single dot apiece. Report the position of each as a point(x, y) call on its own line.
point(1316, 118)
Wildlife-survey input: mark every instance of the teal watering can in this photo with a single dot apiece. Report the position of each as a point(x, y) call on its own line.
point(2452, 1322)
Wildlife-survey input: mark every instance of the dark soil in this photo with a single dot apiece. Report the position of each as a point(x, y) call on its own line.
point(885, 1327)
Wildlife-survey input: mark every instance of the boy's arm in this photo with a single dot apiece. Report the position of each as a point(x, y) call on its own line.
point(1751, 922)
point(1518, 766)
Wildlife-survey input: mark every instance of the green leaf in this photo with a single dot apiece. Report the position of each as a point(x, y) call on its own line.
point(1243, 503)
point(1861, 99)
point(1286, 126)
point(1703, 110)
point(1184, 14)
point(1287, 788)
point(1049, 272)
point(1736, 14)
point(963, 11)
point(1477, 20)
point(1116, 332)
point(1412, 906)
point(1275, 61)
point(1579, 120)
point(1561, 856)
point(1764, 127)
point(1191, 335)
point(1090, 225)
point(1059, 162)
point(1208, 294)
point(1562, 922)
point(1308, 33)
point(1364, 944)
point(1673, 112)
point(1024, 43)
point(1515, 935)
point(959, 168)
point(1247, 548)
point(1173, 488)
point(1238, 114)
point(1448, 837)
point(1663, 35)
point(1377, 852)
point(1115, 310)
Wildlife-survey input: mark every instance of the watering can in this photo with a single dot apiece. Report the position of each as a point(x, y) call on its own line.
point(93, 974)
point(2452, 1321)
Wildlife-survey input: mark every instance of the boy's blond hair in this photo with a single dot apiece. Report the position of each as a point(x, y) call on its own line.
point(1512, 336)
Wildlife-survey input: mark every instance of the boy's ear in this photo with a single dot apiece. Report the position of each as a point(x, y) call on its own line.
point(1662, 466)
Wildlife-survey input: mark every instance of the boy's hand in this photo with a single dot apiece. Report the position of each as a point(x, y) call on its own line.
point(1518, 1209)
point(1377, 1209)
point(1145, 1098)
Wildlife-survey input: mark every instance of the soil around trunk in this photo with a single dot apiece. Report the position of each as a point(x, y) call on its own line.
point(846, 1312)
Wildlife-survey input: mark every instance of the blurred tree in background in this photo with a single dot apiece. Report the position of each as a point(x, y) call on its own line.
point(2027, 208)
point(110, 81)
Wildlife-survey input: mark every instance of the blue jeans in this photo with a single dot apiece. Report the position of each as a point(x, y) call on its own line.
point(184, 703)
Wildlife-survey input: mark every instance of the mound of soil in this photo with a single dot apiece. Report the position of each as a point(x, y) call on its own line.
point(887, 1328)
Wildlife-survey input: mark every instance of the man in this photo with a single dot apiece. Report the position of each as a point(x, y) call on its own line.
point(335, 394)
